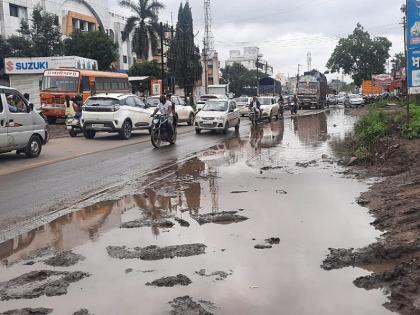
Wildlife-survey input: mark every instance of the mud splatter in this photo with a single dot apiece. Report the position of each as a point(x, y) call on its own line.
point(83, 311)
point(156, 253)
point(182, 222)
point(29, 311)
point(225, 217)
point(160, 223)
point(220, 275)
point(170, 281)
point(64, 259)
point(269, 242)
point(38, 283)
point(306, 164)
point(239, 192)
point(185, 305)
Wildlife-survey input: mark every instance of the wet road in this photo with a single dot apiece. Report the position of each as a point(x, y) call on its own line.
point(310, 206)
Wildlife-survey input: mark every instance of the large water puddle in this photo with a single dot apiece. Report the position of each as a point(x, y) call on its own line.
point(278, 181)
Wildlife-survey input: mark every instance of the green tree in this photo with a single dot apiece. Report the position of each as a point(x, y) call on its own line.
point(4, 52)
point(147, 68)
point(144, 26)
point(360, 56)
point(43, 36)
point(183, 55)
point(20, 46)
point(398, 62)
point(238, 78)
point(94, 45)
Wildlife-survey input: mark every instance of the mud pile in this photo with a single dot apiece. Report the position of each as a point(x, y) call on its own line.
point(394, 203)
point(224, 217)
point(29, 311)
point(38, 283)
point(64, 259)
point(160, 223)
point(170, 281)
point(156, 253)
point(185, 305)
point(219, 275)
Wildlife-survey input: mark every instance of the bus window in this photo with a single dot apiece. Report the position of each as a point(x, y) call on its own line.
point(85, 84)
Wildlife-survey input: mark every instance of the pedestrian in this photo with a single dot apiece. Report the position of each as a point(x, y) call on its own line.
point(71, 108)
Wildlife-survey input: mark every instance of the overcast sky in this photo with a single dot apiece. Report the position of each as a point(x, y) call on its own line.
point(286, 30)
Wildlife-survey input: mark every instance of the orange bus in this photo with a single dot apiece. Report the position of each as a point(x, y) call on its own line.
point(57, 83)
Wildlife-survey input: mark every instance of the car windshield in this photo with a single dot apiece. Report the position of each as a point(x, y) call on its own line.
point(242, 99)
point(265, 101)
point(102, 101)
point(216, 106)
point(152, 101)
point(60, 84)
point(354, 96)
point(207, 97)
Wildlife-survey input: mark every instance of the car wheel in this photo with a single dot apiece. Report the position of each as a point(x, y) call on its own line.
point(197, 131)
point(34, 147)
point(237, 127)
point(191, 120)
point(73, 133)
point(270, 118)
point(126, 130)
point(51, 120)
point(89, 134)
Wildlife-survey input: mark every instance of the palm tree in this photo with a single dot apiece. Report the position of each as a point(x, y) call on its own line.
point(145, 25)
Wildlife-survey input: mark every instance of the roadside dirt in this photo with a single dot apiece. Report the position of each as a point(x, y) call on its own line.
point(38, 283)
point(395, 203)
point(64, 259)
point(155, 252)
point(224, 217)
point(185, 305)
point(29, 311)
point(170, 281)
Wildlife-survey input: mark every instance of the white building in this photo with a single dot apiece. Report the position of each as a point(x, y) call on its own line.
point(85, 15)
point(249, 60)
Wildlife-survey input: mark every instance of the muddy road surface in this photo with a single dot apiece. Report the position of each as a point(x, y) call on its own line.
point(240, 227)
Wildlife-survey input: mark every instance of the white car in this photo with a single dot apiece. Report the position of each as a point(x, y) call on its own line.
point(243, 103)
point(354, 100)
point(204, 98)
point(270, 107)
point(218, 114)
point(119, 113)
point(184, 112)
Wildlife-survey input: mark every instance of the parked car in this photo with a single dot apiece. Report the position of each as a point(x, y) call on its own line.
point(354, 100)
point(204, 98)
point(218, 114)
point(341, 97)
point(242, 103)
point(331, 99)
point(185, 113)
point(270, 107)
point(21, 128)
point(115, 113)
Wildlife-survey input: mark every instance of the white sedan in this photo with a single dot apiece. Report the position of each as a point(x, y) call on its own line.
point(218, 115)
point(270, 107)
point(354, 100)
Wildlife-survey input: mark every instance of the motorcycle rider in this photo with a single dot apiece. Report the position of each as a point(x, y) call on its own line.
point(280, 102)
point(165, 107)
point(71, 109)
point(295, 105)
point(255, 104)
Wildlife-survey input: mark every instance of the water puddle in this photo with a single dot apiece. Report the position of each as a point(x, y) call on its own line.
point(241, 228)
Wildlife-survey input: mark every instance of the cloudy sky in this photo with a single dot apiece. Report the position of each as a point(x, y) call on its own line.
point(286, 30)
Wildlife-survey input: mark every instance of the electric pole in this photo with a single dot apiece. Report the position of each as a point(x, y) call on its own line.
point(208, 42)
point(404, 23)
point(162, 59)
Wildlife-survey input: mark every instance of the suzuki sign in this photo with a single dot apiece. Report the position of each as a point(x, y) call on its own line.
point(40, 64)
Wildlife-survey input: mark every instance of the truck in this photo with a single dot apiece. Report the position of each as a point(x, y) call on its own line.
point(312, 90)
point(369, 89)
point(220, 89)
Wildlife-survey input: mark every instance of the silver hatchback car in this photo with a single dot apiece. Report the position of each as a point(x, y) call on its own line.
point(21, 128)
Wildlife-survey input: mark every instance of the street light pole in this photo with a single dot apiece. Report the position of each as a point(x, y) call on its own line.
point(162, 58)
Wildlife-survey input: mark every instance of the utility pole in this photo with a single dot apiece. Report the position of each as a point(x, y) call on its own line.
point(162, 59)
point(259, 56)
point(208, 42)
point(298, 76)
point(404, 23)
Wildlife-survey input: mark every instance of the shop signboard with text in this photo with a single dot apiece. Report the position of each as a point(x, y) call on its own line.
point(413, 46)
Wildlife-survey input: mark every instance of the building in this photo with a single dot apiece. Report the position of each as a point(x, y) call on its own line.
point(249, 60)
point(336, 85)
point(213, 68)
point(84, 15)
point(291, 85)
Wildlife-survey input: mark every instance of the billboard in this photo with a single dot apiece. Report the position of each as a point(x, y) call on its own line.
point(383, 80)
point(413, 46)
point(38, 65)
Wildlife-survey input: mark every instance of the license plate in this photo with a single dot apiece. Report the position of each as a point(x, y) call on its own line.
point(207, 123)
point(98, 125)
point(69, 128)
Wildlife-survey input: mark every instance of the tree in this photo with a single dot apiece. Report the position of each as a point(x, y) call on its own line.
point(360, 56)
point(183, 55)
point(41, 39)
point(147, 68)
point(144, 24)
point(4, 52)
point(238, 78)
point(94, 45)
point(398, 62)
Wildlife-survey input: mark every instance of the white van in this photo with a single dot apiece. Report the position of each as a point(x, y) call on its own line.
point(21, 128)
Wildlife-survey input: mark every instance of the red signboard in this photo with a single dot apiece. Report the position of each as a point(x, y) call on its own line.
point(382, 79)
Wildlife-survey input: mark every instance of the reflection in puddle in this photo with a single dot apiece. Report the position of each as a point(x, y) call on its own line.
point(316, 211)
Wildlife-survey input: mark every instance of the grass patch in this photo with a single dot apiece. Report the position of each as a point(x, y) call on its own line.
point(379, 123)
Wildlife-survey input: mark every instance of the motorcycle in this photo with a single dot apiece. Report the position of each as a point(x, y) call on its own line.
point(73, 126)
point(294, 108)
point(160, 130)
point(255, 116)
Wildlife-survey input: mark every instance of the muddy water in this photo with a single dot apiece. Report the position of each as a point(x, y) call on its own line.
point(310, 208)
